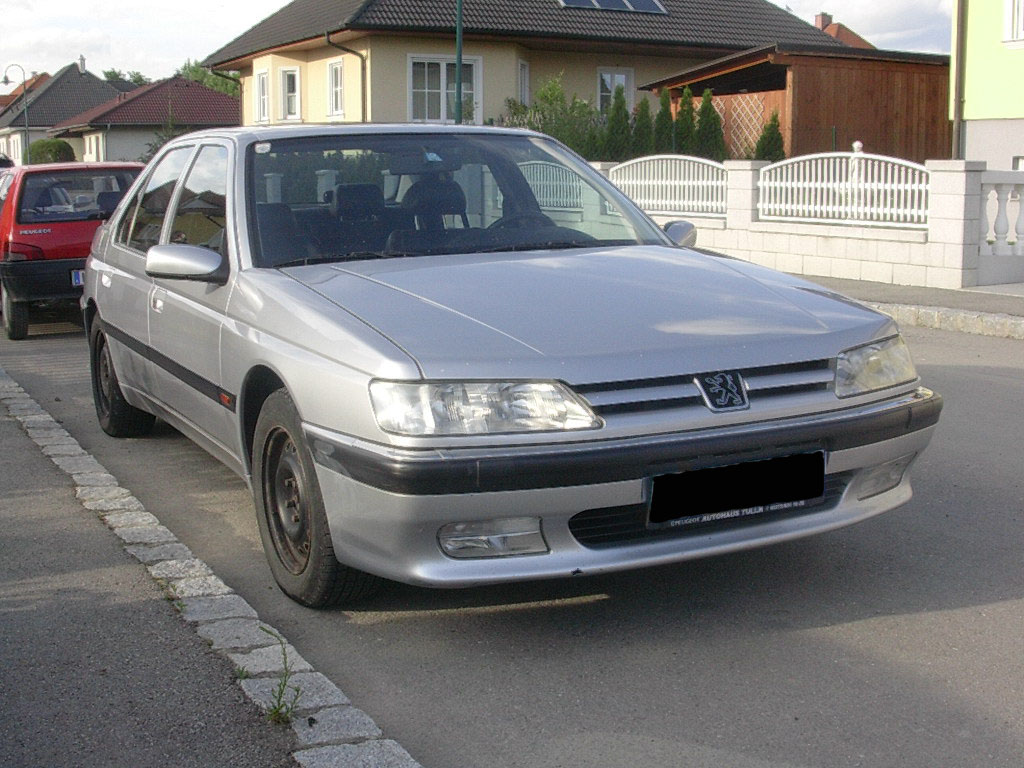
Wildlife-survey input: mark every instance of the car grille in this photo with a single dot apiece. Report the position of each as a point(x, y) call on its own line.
point(763, 384)
point(611, 526)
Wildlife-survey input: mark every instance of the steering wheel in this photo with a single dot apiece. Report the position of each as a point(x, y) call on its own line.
point(522, 220)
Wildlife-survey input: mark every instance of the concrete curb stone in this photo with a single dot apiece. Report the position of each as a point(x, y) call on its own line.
point(329, 726)
point(270, 660)
point(315, 692)
point(236, 634)
point(964, 321)
point(371, 754)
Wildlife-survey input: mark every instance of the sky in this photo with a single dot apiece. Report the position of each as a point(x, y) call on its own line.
point(156, 38)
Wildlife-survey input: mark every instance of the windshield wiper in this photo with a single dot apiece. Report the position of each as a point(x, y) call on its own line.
point(553, 246)
point(352, 256)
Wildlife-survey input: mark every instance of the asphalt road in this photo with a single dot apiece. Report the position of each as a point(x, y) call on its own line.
point(897, 642)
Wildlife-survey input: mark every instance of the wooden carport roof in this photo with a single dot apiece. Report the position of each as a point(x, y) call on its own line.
point(764, 69)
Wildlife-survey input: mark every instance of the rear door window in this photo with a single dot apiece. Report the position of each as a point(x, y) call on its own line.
point(140, 228)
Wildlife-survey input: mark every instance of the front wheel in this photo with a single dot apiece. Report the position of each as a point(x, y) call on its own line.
point(291, 515)
point(116, 416)
point(15, 316)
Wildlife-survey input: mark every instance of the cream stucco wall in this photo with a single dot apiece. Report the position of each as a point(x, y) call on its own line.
point(389, 73)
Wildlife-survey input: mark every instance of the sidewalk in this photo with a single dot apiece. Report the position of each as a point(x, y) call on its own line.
point(98, 671)
point(987, 311)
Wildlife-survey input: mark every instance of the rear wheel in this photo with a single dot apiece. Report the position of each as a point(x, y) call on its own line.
point(291, 515)
point(116, 416)
point(15, 316)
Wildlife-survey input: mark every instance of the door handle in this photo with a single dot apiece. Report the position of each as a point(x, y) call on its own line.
point(156, 300)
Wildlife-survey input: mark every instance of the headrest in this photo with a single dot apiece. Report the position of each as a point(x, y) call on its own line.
point(358, 201)
point(435, 196)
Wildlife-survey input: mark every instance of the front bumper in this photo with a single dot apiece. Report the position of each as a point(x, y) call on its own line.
point(386, 505)
point(40, 279)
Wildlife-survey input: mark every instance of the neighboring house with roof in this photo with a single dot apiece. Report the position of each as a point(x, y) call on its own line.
point(30, 84)
point(394, 60)
point(125, 127)
point(68, 92)
point(993, 101)
point(893, 102)
point(840, 32)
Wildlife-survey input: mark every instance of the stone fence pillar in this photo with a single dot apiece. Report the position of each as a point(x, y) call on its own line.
point(741, 195)
point(954, 222)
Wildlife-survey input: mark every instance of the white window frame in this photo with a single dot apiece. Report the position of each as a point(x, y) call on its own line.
point(630, 85)
point(336, 106)
point(524, 82)
point(282, 77)
point(1013, 25)
point(476, 62)
point(261, 97)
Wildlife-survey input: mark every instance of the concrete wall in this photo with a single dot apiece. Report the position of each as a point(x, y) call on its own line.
point(996, 142)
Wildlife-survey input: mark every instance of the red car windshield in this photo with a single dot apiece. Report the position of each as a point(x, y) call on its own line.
point(73, 195)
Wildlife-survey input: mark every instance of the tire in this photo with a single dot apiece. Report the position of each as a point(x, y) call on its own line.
point(291, 516)
point(116, 416)
point(15, 316)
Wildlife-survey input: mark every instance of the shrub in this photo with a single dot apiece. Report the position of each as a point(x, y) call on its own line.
point(770, 145)
point(685, 125)
point(50, 151)
point(643, 129)
point(709, 138)
point(572, 121)
point(619, 138)
point(663, 124)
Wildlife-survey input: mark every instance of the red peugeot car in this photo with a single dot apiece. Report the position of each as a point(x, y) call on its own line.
point(48, 215)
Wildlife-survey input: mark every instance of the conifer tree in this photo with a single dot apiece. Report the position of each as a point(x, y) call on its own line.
point(709, 138)
point(643, 130)
point(770, 145)
point(685, 125)
point(663, 125)
point(618, 137)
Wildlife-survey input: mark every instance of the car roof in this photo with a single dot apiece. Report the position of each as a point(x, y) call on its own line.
point(250, 133)
point(50, 167)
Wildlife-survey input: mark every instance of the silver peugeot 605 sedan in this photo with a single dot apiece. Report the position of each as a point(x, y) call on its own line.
point(452, 356)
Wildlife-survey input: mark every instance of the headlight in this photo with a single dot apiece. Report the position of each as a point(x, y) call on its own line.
point(473, 408)
point(874, 366)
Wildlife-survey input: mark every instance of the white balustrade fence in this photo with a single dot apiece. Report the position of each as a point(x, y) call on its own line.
point(845, 188)
point(554, 185)
point(1002, 215)
point(674, 184)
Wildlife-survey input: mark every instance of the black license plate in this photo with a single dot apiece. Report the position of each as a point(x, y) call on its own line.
point(738, 490)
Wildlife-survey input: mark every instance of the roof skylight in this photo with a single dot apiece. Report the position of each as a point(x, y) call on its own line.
point(638, 6)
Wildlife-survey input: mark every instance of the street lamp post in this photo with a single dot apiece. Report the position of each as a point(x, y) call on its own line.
point(458, 62)
point(24, 95)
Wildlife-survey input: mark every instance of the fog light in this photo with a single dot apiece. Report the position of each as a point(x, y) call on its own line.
point(882, 478)
point(493, 538)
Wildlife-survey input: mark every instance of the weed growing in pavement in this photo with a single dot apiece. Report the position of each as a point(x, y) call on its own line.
point(241, 673)
point(281, 708)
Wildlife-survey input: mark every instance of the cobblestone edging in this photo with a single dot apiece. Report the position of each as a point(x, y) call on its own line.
point(331, 732)
point(962, 320)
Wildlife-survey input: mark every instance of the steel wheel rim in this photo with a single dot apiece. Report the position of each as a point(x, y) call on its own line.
point(104, 376)
point(287, 501)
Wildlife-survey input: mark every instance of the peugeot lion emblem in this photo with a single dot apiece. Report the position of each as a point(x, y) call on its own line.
point(723, 391)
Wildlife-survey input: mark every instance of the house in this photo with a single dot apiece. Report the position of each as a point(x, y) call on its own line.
point(893, 102)
point(394, 60)
point(70, 91)
point(33, 82)
point(840, 32)
point(125, 127)
point(992, 101)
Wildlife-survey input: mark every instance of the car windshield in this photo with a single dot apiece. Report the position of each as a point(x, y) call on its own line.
point(353, 197)
point(73, 195)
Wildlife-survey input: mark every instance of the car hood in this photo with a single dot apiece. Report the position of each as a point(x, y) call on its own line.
point(590, 315)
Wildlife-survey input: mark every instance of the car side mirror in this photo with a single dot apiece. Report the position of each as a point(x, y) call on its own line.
point(186, 262)
point(683, 233)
